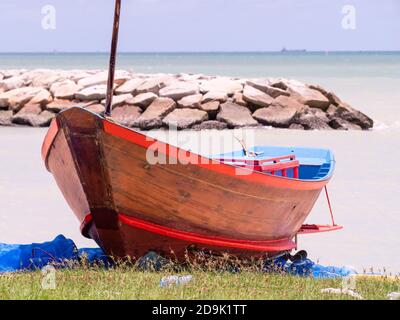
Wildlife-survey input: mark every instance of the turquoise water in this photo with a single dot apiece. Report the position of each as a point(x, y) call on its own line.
point(298, 65)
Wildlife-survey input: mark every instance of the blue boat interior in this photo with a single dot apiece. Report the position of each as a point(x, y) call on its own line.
point(314, 163)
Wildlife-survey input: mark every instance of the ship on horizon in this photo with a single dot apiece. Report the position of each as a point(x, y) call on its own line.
point(284, 50)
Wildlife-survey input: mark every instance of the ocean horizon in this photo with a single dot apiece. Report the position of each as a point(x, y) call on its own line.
point(294, 63)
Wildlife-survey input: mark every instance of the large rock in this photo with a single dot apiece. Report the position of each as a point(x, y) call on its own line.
point(211, 108)
point(210, 125)
point(46, 78)
point(9, 73)
point(154, 84)
point(296, 126)
point(281, 113)
point(235, 115)
point(318, 88)
point(12, 83)
point(346, 112)
point(17, 98)
point(64, 90)
point(333, 98)
point(192, 101)
point(142, 100)
point(33, 115)
point(96, 108)
point(264, 86)
point(256, 97)
point(279, 83)
point(238, 99)
point(43, 119)
point(331, 111)
point(341, 124)
point(5, 118)
point(58, 105)
point(179, 89)
point(344, 117)
point(76, 75)
point(129, 86)
point(215, 96)
point(318, 113)
point(34, 73)
point(289, 102)
point(126, 115)
point(153, 115)
point(42, 98)
point(102, 77)
point(184, 118)
point(275, 115)
point(306, 95)
point(26, 113)
point(119, 100)
point(97, 92)
point(225, 85)
point(312, 120)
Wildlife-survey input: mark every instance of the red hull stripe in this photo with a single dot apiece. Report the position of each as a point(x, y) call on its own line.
point(274, 245)
point(85, 224)
point(267, 246)
point(279, 182)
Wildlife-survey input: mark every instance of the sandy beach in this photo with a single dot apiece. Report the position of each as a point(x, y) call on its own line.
point(363, 193)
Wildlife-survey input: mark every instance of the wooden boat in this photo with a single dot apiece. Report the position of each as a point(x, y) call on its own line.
point(249, 204)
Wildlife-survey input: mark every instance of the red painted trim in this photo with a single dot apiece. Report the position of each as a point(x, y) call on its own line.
point(270, 165)
point(268, 246)
point(85, 224)
point(315, 228)
point(257, 162)
point(49, 139)
point(214, 165)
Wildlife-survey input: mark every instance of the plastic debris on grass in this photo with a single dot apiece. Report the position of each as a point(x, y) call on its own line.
point(343, 291)
point(169, 281)
point(394, 296)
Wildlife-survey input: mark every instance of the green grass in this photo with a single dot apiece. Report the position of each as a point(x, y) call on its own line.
point(129, 283)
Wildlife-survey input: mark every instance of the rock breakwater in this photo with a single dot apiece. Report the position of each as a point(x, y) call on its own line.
point(184, 101)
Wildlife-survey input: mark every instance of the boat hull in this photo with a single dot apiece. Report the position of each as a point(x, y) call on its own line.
point(129, 206)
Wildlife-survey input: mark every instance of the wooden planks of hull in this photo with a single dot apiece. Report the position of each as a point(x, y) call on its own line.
point(194, 199)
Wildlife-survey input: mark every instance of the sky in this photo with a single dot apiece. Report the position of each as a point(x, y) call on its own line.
point(200, 25)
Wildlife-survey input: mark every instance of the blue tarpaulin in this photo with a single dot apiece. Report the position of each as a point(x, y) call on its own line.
point(306, 267)
point(18, 257)
point(15, 257)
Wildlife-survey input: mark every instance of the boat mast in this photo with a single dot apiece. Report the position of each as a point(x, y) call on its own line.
point(113, 55)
